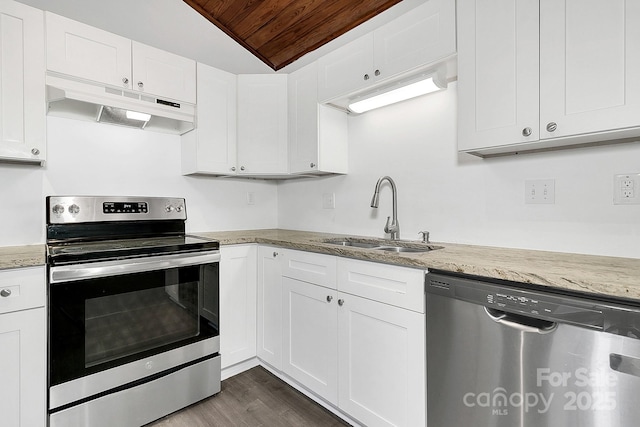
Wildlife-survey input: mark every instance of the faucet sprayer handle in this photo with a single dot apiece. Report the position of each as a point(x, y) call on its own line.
point(387, 225)
point(425, 236)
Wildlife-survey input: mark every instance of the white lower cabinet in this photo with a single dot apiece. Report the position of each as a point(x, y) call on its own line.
point(270, 306)
point(362, 355)
point(381, 360)
point(310, 340)
point(22, 347)
point(237, 303)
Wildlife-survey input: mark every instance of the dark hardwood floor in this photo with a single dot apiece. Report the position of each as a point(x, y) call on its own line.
point(251, 399)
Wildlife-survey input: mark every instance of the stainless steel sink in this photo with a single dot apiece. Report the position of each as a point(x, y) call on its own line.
point(356, 244)
point(404, 249)
point(397, 246)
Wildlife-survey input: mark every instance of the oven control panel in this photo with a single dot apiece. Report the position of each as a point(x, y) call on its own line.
point(73, 209)
point(122, 207)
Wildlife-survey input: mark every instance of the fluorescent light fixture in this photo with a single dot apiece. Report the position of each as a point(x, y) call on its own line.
point(134, 115)
point(397, 93)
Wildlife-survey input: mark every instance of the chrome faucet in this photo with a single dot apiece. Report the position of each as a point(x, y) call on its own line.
point(392, 227)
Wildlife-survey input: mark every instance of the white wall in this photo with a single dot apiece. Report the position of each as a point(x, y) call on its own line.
point(94, 159)
point(463, 199)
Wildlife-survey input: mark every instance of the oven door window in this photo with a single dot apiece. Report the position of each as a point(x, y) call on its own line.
point(100, 323)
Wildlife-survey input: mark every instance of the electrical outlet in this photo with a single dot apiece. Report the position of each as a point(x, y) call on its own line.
point(251, 198)
point(328, 201)
point(540, 191)
point(626, 189)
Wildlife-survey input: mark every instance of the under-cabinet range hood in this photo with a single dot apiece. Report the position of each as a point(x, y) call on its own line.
point(86, 100)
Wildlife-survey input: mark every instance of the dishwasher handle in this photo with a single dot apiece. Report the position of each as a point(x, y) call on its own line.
point(520, 322)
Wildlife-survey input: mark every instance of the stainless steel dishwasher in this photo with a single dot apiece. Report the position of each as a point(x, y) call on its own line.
point(499, 355)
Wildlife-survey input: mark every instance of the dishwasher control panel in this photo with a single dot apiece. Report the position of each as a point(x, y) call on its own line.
point(532, 303)
point(521, 303)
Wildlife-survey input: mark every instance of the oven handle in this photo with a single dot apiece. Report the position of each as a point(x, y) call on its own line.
point(93, 270)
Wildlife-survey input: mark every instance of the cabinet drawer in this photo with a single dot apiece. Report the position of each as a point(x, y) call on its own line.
point(24, 288)
point(310, 267)
point(398, 286)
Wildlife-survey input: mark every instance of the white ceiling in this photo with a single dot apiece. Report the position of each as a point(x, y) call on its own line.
point(175, 27)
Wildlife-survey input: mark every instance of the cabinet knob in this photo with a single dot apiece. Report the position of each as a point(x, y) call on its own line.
point(366, 77)
point(552, 126)
point(125, 80)
point(35, 151)
point(241, 168)
point(233, 169)
point(312, 165)
point(341, 302)
point(329, 298)
point(140, 85)
point(5, 293)
point(526, 131)
point(275, 254)
point(377, 73)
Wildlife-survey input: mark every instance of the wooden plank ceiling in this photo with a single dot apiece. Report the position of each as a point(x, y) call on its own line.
point(281, 31)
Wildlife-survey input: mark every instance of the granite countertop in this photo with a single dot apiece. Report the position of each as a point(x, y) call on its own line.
point(22, 256)
point(599, 275)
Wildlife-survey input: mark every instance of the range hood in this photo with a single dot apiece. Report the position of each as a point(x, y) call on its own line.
point(85, 100)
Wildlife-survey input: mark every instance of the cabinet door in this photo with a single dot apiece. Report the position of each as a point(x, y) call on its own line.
point(498, 85)
point(346, 69)
point(23, 360)
point(22, 87)
point(262, 124)
point(310, 344)
point(164, 74)
point(422, 36)
point(318, 135)
point(303, 119)
point(270, 306)
point(237, 304)
point(381, 363)
point(211, 147)
point(589, 66)
point(79, 50)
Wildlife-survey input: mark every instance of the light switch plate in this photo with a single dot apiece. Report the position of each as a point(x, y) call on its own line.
point(328, 201)
point(540, 191)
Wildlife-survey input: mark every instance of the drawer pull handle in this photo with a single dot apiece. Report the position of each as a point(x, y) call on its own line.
point(340, 302)
point(5, 293)
point(329, 298)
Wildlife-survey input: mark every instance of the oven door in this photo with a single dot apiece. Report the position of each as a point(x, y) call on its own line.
point(118, 322)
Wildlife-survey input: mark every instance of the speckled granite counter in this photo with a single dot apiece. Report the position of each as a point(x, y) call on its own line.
point(21, 256)
point(610, 276)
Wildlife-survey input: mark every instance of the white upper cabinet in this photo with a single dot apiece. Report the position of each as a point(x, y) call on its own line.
point(415, 40)
point(82, 51)
point(317, 134)
point(497, 73)
point(346, 69)
point(589, 66)
point(22, 85)
point(422, 36)
point(262, 124)
point(587, 53)
point(211, 147)
point(162, 73)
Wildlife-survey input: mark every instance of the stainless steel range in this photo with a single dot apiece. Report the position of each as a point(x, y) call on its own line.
point(133, 311)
